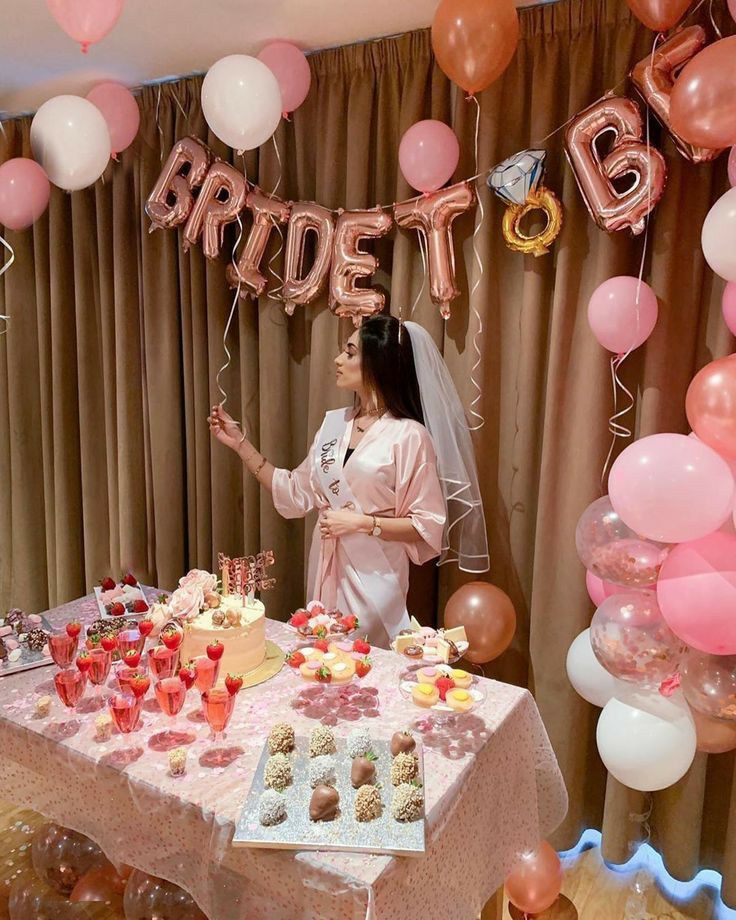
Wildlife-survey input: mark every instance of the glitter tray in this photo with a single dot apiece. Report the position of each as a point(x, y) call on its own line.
point(28, 658)
point(298, 832)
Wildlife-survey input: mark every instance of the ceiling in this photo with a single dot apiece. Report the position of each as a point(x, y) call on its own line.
point(155, 39)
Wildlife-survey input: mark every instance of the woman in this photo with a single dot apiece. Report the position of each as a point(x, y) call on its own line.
point(385, 498)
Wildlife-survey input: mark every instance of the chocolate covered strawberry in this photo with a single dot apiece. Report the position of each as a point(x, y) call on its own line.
point(117, 609)
point(139, 684)
point(215, 650)
point(132, 658)
point(84, 661)
point(188, 674)
point(131, 580)
point(107, 584)
point(362, 667)
point(361, 646)
point(295, 659)
point(233, 683)
point(171, 637)
point(73, 629)
point(145, 626)
point(140, 606)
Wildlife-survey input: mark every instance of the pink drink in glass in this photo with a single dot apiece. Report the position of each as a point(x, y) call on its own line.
point(124, 676)
point(63, 648)
point(70, 684)
point(100, 667)
point(125, 710)
point(207, 673)
point(217, 705)
point(130, 638)
point(163, 661)
point(170, 693)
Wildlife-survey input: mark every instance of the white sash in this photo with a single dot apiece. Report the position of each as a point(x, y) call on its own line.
point(380, 584)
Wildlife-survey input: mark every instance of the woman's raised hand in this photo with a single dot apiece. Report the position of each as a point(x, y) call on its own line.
point(225, 428)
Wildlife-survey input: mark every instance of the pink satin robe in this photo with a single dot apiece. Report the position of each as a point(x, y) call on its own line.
point(392, 473)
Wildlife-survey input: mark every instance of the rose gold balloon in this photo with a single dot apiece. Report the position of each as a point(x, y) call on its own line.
point(221, 199)
point(474, 40)
point(654, 77)
point(659, 15)
point(714, 736)
point(432, 215)
point(701, 107)
point(534, 883)
point(349, 263)
point(710, 405)
point(488, 616)
point(102, 884)
point(306, 217)
point(611, 209)
point(171, 200)
point(267, 213)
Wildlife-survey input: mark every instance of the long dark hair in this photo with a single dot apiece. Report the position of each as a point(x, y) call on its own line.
point(388, 366)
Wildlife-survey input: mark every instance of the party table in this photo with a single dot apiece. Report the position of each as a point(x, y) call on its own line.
point(492, 786)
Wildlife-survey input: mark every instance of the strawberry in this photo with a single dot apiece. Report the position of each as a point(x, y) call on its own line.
point(323, 675)
point(299, 618)
point(93, 641)
point(294, 659)
point(117, 609)
point(443, 684)
point(132, 658)
point(131, 580)
point(109, 642)
point(187, 674)
point(140, 606)
point(84, 661)
point(145, 626)
point(361, 646)
point(107, 584)
point(139, 684)
point(233, 684)
point(214, 650)
point(362, 667)
point(73, 629)
point(350, 622)
point(171, 638)
point(319, 631)
point(322, 644)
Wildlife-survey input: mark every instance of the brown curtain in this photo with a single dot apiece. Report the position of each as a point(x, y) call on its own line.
point(108, 370)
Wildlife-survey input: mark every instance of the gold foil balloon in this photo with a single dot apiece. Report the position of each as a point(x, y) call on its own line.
point(654, 78)
point(432, 215)
point(349, 264)
point(220, 200)
point(267, 212)
point(307, 217)
point(171, 200)
point(518, 182)
point(61, 856)
point(595, 174)
point(488, 616)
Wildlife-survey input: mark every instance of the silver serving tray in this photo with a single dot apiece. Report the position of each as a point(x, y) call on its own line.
point(298, 832)
point(28, 659)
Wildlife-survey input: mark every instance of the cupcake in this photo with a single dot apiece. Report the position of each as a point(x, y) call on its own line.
point(271, 808)
point(277, 774)
point(407, 802)
point(178, 761)
point(428, 675)
point(367, 803)
point(404, 768)
point(425, 695)
point(460, 700)
point(321, 741)
point(281, 739)
point(462, 679)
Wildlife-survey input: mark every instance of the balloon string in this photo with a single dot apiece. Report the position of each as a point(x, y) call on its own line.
point(712, 20)
point(274, 293)
point(158, 125)
point(4, 318)
point(423, 254)
point(476, 284)
point(228, 356)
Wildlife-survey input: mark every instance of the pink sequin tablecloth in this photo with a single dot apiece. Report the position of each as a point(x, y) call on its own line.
point(493, 789)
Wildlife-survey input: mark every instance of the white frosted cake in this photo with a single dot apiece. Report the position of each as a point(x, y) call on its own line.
point(241, 628)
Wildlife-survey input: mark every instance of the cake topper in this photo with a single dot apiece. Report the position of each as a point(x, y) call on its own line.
point(246, 574)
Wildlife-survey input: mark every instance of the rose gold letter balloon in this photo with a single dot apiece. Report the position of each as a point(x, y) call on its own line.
point(488, 616)
point(595, 175)
point(220, 200)
point(654, 77)
point(306, 217)
point(350, 263)
point(432, 215)
point(267, 213)
point(171, 200)
point(659, 15)
point(711, 405)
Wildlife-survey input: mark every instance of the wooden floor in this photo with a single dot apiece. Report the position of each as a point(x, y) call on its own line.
point(590, 891)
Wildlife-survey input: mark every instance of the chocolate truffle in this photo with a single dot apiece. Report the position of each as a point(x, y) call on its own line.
point(36, 640)
point(402, 742)
point(324, 804)
point(363, 771)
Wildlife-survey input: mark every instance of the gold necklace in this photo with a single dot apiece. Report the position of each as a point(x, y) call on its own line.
point(378, 413)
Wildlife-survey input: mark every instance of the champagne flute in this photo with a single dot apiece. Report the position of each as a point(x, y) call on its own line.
point(218, 704)
point(70, 684)
point(124, 675)
point(63, 648)
point(207, 673)
point(130, 638)
point(163, 661)
point(171, 693)
point(99, 669)
point(125, 710)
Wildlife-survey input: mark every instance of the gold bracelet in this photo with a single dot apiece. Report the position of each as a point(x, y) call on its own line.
point(260, 467)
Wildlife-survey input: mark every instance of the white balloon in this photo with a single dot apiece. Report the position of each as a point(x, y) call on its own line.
point(718, 236)
point(587, 675)
point(241, 101)
point(647, 741)
point(70, 139)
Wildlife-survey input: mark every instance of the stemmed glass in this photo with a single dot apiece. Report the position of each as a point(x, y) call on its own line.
point(163, 661)
point(125, 710)
point(171, 692)
point(70, 684)
point(217, 705)
point(99, 669)
point(63, 648)
point(207, 672)
point(130, 638)
point(124, 675)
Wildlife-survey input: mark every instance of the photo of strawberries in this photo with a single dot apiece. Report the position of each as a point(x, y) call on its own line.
point(215, 650)
point(129, 579)
point(140, 606)
point(295, 659)
point(117, 609)
point(107, 584)
point(109, 642)
point(362, 667)
point(84, 661)
point(187, 674)
point(139, 684)
point(361, 646)
point(73, 629)
point(171, 638)
point(145, 626)
point(443, 684)
point(132, 658)
point(323, 675)
point(233, 683)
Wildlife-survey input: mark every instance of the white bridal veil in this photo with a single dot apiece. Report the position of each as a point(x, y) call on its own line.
point(464, 539)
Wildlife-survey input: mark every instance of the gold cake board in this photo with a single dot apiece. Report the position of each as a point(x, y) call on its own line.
point(269, 667)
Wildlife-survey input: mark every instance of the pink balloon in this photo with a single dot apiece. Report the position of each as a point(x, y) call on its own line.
point(290, 67)
point(732, 158)
point(428, 154)
point(121, 112)
point(86, 21)
point(618, 322)
point(24, 193)
point(671, 488)
point(728, 303)
point(697, 593)
point(599, 590)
